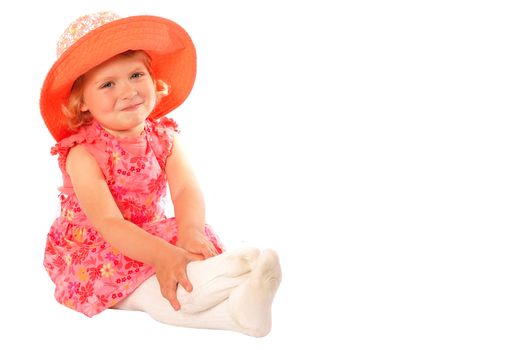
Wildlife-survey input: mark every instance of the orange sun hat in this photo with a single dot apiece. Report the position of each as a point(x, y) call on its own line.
point(93, 39)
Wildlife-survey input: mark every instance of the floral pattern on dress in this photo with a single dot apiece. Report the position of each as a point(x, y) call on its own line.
point(89, 274)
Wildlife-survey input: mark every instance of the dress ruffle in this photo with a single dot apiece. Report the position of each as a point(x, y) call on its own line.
point(163, 129)
point(86, 134)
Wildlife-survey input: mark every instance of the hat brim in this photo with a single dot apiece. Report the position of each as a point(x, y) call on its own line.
point(170, 47)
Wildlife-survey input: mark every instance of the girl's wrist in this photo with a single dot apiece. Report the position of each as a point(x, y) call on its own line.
point(162, 253)
point(190, 231)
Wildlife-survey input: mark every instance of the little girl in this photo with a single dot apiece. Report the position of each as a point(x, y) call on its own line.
point(104, 101)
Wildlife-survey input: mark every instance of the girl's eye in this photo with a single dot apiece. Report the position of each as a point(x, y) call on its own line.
point(106, 85)
point(137, 75)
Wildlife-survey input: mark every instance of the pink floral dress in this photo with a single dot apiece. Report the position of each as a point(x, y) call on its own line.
point(89, 274)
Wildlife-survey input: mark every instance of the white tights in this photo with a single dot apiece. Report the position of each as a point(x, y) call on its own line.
point(231, 291)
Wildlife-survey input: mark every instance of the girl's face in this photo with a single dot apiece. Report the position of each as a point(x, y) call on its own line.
point(120, 94)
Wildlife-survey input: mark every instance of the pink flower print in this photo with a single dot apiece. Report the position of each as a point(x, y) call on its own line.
point(140, 163)
point(115, 157)
point(56, 237)
point(82, 274)
point(78, 234)
point(157, 186)
point(117, 190)
point(85, 292)
point(111, 256)
point(69, 215)
point(69, 303)
point(130, 205)
point(59, 263)
point(107, 270)
point(132, 264)
point(103, 299)
point(92, 305)
point(73, 287)
point(138, 217)
point(94, 272)
point(79, 256)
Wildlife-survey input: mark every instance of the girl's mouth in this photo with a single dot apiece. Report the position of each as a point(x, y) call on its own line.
point(132, 107)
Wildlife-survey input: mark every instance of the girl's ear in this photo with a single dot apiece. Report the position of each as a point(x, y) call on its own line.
point(83, 107)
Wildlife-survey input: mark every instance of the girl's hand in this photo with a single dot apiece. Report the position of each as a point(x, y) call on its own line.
point(196, 242)
point(170, 270)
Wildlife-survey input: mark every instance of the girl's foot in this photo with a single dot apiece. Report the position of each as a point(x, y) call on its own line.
point(214, 279)
point(250, 303)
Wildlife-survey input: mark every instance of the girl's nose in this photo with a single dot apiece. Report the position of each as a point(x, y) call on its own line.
point(127, 91)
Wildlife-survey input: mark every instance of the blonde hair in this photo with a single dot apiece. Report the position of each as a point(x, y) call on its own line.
point(78, 118)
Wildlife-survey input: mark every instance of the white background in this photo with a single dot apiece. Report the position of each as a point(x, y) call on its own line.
point(368, 142)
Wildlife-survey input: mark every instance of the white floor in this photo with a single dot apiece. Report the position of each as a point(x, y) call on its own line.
point(370, 143)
